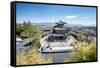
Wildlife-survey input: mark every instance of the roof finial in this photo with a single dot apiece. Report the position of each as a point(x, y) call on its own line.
point(60, 20)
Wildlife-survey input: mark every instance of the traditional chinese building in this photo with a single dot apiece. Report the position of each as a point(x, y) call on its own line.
point(58, 32)
point(57, 40)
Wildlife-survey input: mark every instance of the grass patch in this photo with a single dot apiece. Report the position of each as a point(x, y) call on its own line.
point(31, 57)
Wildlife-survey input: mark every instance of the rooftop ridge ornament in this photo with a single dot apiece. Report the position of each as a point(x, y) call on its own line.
point(60, 19)
point(60, 22)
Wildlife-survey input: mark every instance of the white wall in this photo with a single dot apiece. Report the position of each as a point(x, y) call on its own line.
point(5, 34)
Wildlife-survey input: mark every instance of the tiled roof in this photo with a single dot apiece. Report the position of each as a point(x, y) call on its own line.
point(26, 41)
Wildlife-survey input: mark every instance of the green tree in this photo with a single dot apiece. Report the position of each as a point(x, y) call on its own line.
point(19, 29)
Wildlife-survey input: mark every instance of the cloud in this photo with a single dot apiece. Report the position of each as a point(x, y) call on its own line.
point(88, 17)
point(71, 17)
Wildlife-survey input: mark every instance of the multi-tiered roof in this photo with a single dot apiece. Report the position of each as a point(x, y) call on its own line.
point(59, 31)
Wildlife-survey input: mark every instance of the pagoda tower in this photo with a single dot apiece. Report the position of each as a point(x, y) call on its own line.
point(58, 32)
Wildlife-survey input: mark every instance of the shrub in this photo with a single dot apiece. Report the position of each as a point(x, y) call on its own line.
point(31, 57)
point(84, 52)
